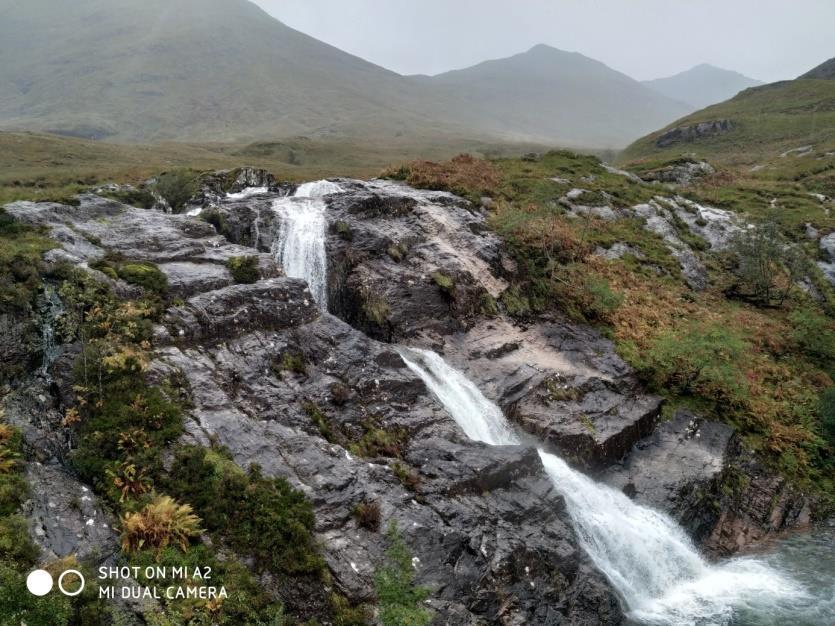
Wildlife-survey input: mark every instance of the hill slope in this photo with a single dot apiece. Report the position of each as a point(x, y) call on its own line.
point(702, 85)
point(223, 70)
point(792, 118)
point(554, 95)
point(824, 71)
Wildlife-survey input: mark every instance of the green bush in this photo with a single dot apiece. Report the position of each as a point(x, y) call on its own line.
point(767, 265)
point(140, 198)
point(257, 516)
point(399, 598)
point(244, 269)
point(18, 606)
point(705, 360)
point(177, 187)
point(445, 283)
point(145, 275)
point(827, 414)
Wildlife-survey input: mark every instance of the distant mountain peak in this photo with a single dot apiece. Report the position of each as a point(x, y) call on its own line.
point(702, 85)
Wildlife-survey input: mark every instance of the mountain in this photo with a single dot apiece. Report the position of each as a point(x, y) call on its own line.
point(776, 121)
point(702, 85)
point(224, 70)
point(188, 69)
point(824, 71)
point(550, 94)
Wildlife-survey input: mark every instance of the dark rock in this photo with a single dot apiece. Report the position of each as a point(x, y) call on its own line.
point(225, 313)
point(693, 132)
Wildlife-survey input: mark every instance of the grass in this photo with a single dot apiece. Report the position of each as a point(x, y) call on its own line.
point(399, 598)
point(244, 269)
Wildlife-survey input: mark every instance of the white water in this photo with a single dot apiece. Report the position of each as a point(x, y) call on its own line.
point(301, 244)
point(247, 192)
point(644, 553)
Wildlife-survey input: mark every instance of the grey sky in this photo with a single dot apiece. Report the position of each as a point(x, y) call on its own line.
point(765, 39)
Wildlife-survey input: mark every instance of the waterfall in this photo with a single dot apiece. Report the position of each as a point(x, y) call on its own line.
point(50, 308)
point(646, 556)
point(301, 243)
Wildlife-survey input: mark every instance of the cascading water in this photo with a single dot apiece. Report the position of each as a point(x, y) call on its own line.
point(301, 244)
point(647, 557)
point(644, 553)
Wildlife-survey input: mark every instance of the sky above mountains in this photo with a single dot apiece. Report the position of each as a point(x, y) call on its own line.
point(765, 39)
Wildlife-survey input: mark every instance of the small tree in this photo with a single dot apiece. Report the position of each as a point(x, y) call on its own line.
point(767, 266)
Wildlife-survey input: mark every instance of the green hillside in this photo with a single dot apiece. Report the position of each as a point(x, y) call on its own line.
point(765, 123)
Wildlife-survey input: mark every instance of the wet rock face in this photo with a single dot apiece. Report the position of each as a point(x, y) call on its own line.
point(676, 469)
point(753, 503)
point(558, 381)
point(402, 261)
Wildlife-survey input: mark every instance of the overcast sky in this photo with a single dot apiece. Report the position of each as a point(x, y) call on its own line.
point(764, 39)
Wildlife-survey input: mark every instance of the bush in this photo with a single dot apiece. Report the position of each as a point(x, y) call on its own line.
point(158, 524)
point(140, 198)
point(444, 282)
point(367, 515)
point(244, 269)
point(399, 598)
point(767, 266)
point(177, 187)
point(145, 275)
point(257, 516)
point(13, 487)
point(16, 547)
point(704, 360)
point(827, 414)
point(18, 606)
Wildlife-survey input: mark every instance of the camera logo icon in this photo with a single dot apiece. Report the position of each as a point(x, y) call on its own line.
point(40, 582)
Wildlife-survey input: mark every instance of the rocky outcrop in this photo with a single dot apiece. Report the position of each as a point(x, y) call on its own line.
point(702, 475)
point(299, 392)
point(558, 381)
point(681, 172)
point(693, 132)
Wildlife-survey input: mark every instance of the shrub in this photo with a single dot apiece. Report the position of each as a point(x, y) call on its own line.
point(244, 269)
point(158, 524)
point(18, 606)
point(463, 175)
point(827, 414)
point(767, 266)
point(16, 547)
point(257, 516)
point(367, 515)
point(145, 275)
point(177, 187)
point(140, 198)
point(705, 360)
point(445, 283)
point(13, 487)
point(399, 598)
point(376, 309)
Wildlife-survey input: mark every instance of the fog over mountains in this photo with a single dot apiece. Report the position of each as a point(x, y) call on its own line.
point(702, 85)
point(224, 70)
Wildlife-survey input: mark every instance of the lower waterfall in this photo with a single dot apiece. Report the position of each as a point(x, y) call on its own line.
point(646, 556)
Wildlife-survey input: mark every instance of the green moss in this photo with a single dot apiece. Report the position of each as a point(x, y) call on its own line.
point(444, 282)
point(343, 229)
point(140, 198)
point(146, 275)
point(379, 442)
point(515, 302)
point(487, 305)
point(289, 362)
point(244, 269)
point(321, 421)
point(376, 309)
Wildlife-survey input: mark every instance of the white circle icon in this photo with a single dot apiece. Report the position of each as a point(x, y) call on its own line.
point(61, 582)
point(39, 582)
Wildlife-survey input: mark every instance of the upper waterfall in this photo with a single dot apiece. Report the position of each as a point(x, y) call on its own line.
point(301, 244)
point(646, 556)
